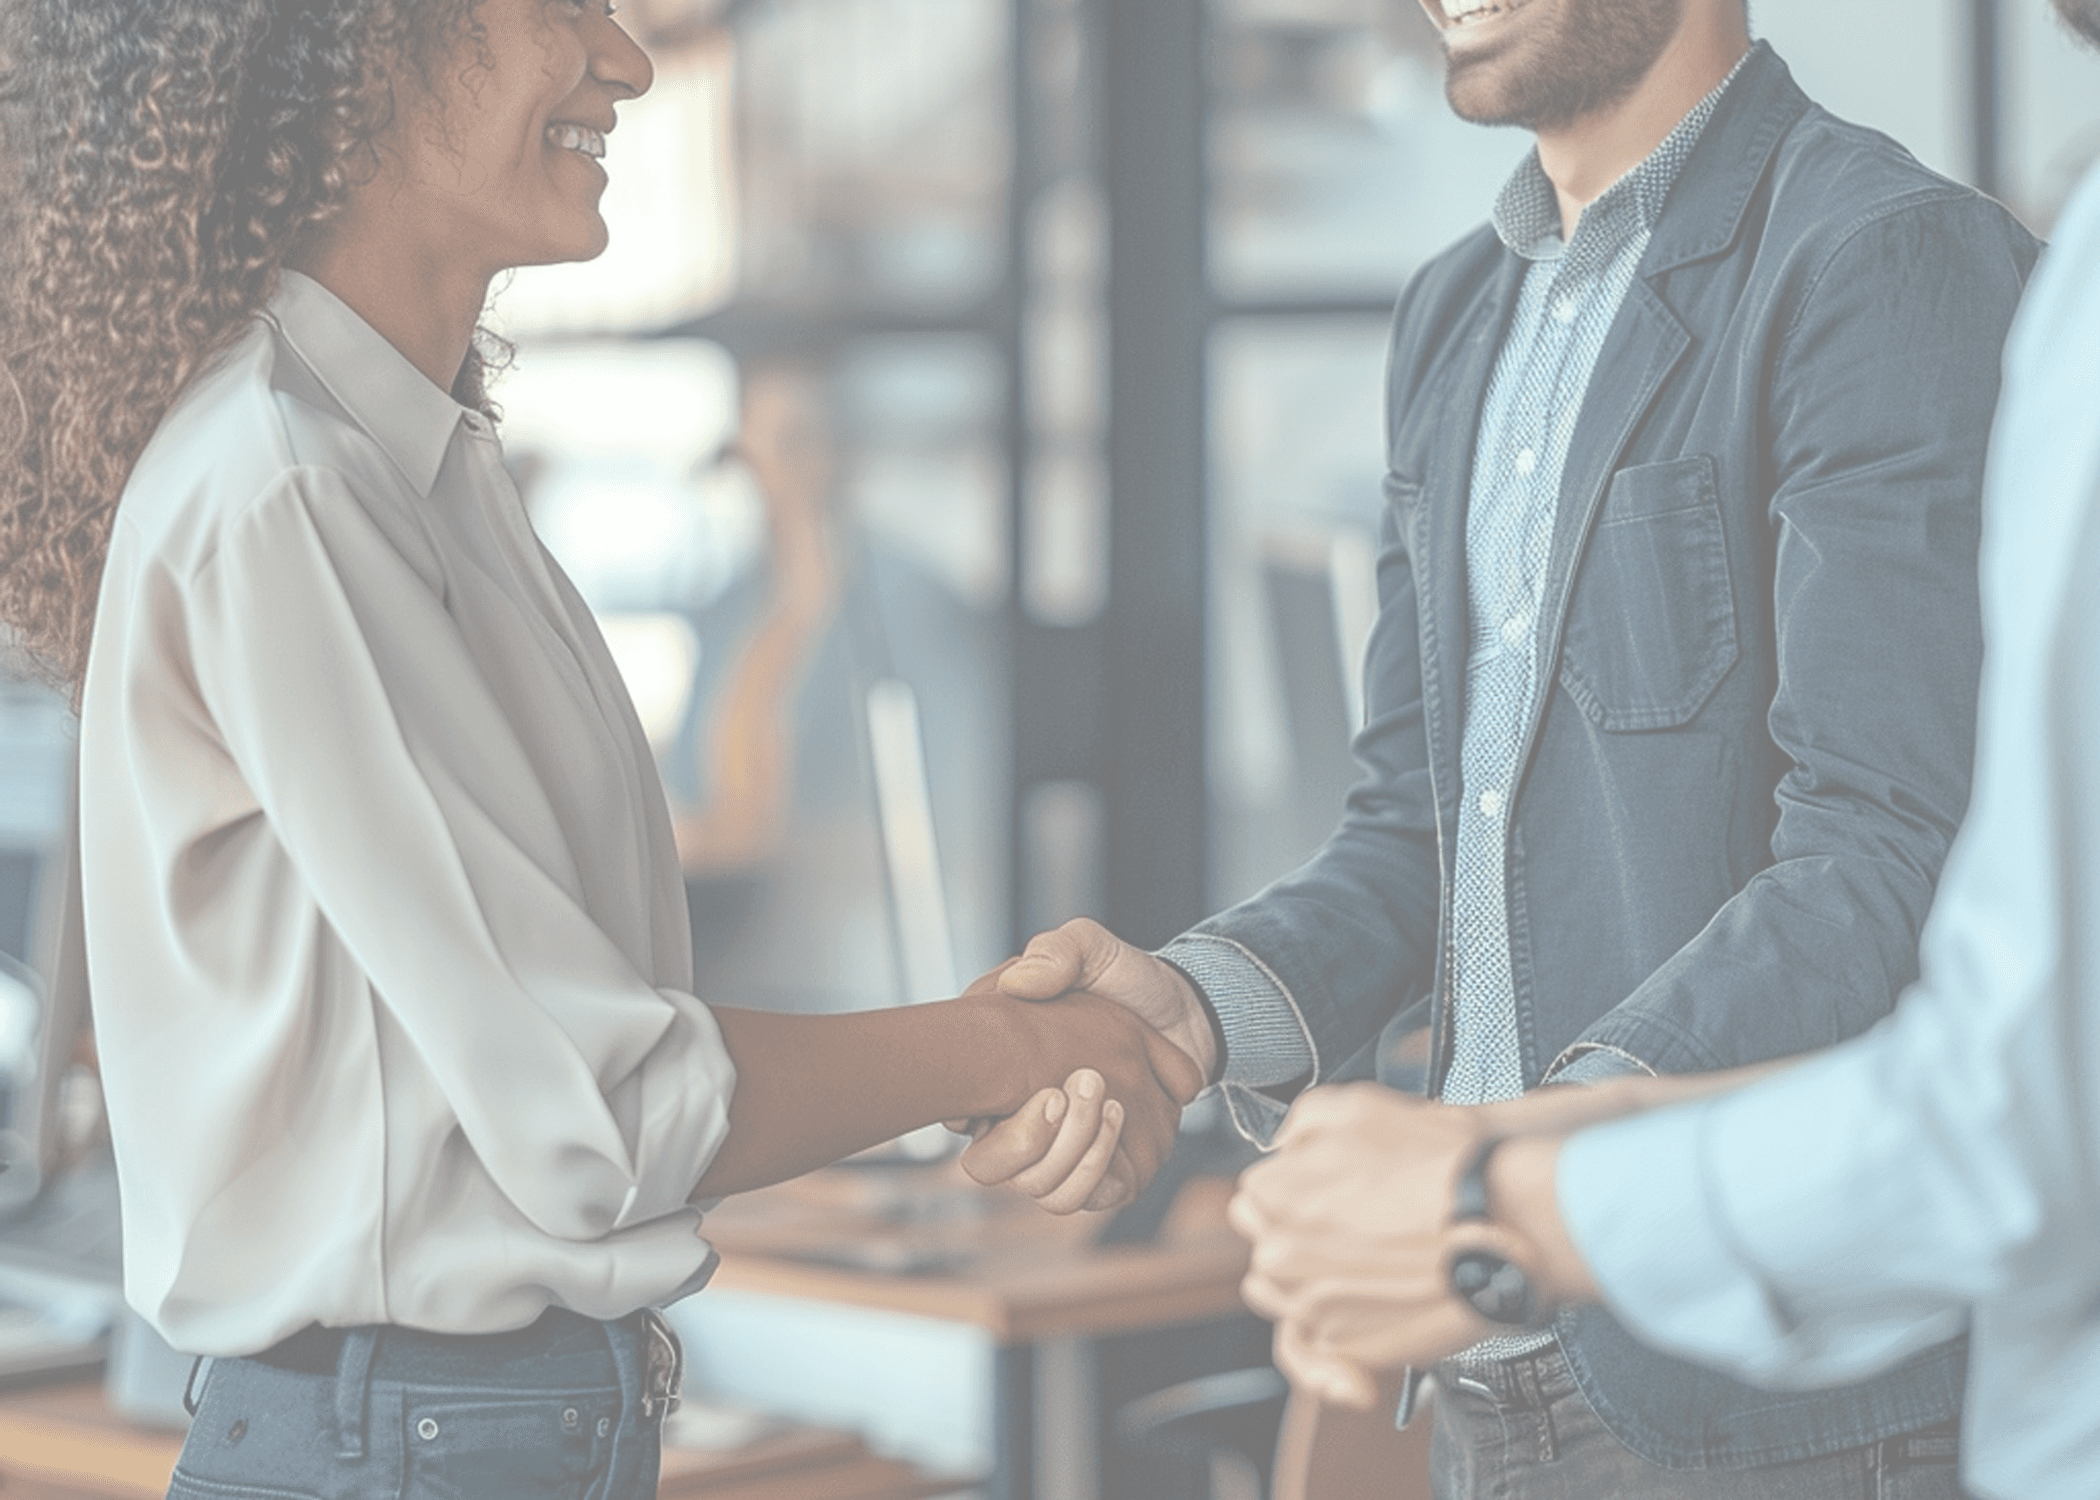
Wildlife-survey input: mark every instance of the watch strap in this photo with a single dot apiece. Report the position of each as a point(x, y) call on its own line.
point(1494, 1286)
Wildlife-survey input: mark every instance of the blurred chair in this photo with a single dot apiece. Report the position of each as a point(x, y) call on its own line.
point(1247, 1436)
point(1218, 1430)
point(1329, 1453)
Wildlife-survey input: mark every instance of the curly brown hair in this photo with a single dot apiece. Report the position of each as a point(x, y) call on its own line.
point(159, 161)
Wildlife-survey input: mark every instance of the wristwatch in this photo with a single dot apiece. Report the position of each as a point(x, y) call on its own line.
point(1496, 1288)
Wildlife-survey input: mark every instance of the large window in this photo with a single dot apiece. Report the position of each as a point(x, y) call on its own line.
point(766, 433)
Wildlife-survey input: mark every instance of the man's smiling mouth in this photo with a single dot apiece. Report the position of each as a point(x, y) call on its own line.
point(1459, 13)
point(573, 137)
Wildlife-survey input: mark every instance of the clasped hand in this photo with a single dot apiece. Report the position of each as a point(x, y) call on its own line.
point(1084, 1146)
point(1350, 1218)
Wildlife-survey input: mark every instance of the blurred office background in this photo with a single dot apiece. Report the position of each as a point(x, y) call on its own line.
point(1029, 352)
point(972, 445)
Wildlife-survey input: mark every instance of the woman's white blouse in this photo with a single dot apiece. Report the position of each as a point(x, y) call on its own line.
point(386, 934)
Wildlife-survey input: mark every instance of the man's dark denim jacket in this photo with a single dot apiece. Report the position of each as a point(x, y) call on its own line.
point(1758, 660)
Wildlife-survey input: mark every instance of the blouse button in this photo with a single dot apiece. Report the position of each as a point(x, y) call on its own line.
point(426, 1429)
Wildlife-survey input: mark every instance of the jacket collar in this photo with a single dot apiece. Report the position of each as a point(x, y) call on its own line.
point(388, 397)
point(1712, 193)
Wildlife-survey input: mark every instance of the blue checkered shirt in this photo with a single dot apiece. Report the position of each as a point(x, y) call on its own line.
point(1570, 298)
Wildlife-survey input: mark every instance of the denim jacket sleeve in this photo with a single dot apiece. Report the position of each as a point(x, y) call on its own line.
point(1349, 938)
point(1878, 412)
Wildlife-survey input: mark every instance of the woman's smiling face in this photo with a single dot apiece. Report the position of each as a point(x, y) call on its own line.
point(498, 166)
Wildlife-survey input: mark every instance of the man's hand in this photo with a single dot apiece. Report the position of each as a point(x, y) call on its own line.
point(1066, 1155)
point(1084, 955)
point(1352, 1230)
point(1350, 1221)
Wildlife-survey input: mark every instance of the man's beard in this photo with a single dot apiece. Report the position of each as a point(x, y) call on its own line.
point(2083, 17)
point(1587, 58)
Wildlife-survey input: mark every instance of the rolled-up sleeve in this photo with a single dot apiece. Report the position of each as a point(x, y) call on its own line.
point(386, 766)
point(1743, 1245)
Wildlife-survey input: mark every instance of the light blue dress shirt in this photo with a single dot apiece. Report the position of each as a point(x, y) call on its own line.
point(1943, 1170)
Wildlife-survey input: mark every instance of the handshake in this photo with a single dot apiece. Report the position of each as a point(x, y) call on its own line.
point(1351, 1218)
point(1096, 1140)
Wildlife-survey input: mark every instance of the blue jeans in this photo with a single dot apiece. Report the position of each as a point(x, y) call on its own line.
point(567, 1409)
point(1521, 1430)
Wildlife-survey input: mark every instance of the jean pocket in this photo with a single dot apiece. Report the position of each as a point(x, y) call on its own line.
point(256, 1436)
point(517, 1448)
point(1651, 625)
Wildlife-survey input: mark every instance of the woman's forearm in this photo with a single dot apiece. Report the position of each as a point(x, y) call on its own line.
point(813, 1089)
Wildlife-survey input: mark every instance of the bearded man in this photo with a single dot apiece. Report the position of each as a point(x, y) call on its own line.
point(1671, 694)
point(1941, 1171)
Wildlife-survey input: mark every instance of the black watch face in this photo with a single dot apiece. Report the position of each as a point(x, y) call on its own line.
point(1498, 1290)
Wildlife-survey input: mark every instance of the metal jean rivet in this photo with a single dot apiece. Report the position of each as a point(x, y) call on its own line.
point(238, 1431)
point(604, 1426)
point(571, 1419)
point(426, 1429)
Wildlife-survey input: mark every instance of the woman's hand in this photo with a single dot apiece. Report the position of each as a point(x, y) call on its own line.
point(1062, 1153)
point(1061, 1149)
point(1055, 1154)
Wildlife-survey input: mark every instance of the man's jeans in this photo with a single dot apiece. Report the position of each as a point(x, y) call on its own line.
point(565, 1409)
point(1520, 1430)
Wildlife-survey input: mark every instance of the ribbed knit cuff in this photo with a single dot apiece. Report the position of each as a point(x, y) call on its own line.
point(1266, 1041)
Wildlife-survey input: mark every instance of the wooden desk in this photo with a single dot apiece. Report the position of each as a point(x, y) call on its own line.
point(929, 1243)
point(64, 1443)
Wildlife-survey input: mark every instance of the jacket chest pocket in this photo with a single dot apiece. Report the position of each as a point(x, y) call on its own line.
point(1651, 620)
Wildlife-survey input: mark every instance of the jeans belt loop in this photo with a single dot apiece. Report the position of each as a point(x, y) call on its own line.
point(193, 1388)
point(353, 1380)
point(665, 1362)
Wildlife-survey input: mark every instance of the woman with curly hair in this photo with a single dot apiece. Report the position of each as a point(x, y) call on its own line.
point(414, 1109)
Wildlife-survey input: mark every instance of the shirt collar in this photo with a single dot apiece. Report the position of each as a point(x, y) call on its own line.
point(1527, 212)
point(384, 394)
